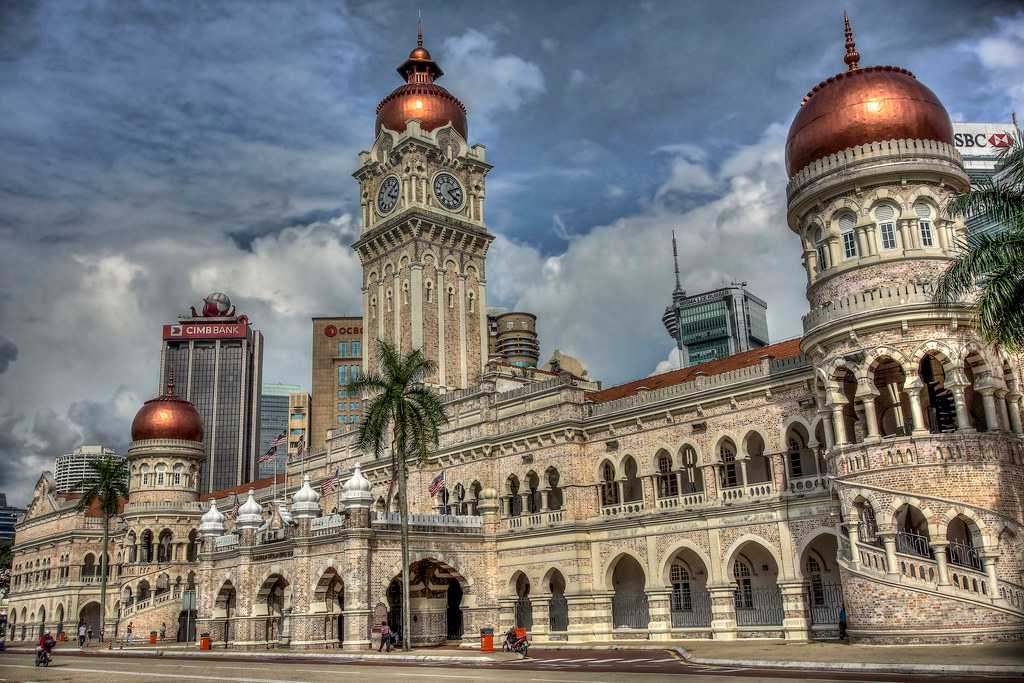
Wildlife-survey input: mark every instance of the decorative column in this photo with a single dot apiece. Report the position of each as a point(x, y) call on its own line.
point(1013, 404)
point(963, 417)
point(743, 471)
point(1004, 413)
point(545, 499)
point(525, 503)
point(839, 422)
point(853, 529)
point(795, 615)
point(541, 607)
point(723, 611)
point(988, 561)
point(939, 550)
point(913, 389)
point(988, 400)
point(710, 482)
point(826, 426)
point(892, 567)
point(867, 395)
point(659, 608)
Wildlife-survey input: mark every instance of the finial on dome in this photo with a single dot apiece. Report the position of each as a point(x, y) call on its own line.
point(170, 382)
point(419, 29)
point(852, 57)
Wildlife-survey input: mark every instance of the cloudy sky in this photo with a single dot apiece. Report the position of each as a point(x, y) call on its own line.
point(154, 152)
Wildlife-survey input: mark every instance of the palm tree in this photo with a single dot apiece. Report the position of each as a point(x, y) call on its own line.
point(992, 262)
point(107, 485)
point(405, 413)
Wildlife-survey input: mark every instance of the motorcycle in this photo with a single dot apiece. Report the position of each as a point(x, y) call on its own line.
point(42, 657)
point(516, 643)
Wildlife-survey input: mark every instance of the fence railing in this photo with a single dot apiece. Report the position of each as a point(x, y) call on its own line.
point(630, 610)
point(913, 543)
point(558, 613)
point(758, 606)
point(690, 608)
point(524, 613)
point(963, 555)
point(455, 522)
point(824, 601)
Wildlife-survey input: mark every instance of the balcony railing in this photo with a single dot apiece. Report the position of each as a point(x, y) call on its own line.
point(682, 501)
point(535, 520)
point(913, 543)
point(630, 508)
point(963, 555)
point(225, 541)
point(443, 522)
point(749, 491)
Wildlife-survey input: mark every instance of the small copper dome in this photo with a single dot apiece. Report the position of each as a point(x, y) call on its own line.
point(859, 106)
point(420, 98)
point(167, 417)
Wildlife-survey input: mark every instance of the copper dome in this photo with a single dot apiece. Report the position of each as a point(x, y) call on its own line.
point(859, 106)
point(420, 98)
point(167, 417)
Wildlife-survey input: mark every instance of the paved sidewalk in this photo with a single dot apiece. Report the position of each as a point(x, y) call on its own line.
point(1006, 658)
point(438, 655)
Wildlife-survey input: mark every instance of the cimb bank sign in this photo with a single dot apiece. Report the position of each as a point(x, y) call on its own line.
point(206, 330)
point(983, 139)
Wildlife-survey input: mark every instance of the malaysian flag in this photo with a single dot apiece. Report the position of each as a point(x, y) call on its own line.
point(281, 440)
point(437, 484)
point(269, 455)
point(327, 488)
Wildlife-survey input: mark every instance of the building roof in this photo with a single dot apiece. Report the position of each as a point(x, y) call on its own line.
point(783, 349)
point(258, 484)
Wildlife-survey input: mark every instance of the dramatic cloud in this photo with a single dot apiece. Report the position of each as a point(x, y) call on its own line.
point(151, 157)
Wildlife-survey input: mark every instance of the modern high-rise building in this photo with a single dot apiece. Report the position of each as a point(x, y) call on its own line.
point(980, 145)
point(717, 323)
point(9, 515)
point(512, 335)
point(299, 403)
point(71, 469)
point(337, 360)
point(274, 422)
point(214, 358)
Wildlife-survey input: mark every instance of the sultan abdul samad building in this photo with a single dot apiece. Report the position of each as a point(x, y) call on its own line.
point(875, 462)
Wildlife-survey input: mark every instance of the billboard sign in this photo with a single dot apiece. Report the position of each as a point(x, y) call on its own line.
point(983, 139)
point(176, 331)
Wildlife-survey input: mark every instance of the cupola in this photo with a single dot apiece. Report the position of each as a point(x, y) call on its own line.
point(306, 501)
point(357, 490)
point(168, 417)
point(211, 524)
point(250, 515)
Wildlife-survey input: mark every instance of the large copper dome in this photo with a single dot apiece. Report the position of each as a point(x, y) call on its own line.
point(859, 106)
point(420, 98)
point(167, 417)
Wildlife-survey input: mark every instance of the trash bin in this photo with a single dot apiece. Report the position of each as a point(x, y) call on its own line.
point(204, 641)
point(487, 639)
point(152, 637)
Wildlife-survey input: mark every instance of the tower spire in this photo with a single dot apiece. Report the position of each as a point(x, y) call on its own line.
point(852, 57)
point(419, 29)
point(675, 261)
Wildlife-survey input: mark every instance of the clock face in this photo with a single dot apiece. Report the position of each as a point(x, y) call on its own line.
point(387, 195)
point(448, 191)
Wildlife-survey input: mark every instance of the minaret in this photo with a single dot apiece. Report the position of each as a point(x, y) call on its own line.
point(424, 242)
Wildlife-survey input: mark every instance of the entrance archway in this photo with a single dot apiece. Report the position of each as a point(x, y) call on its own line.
point(329, 600)
point(820, 570)
point(270, 603)
point(758, 598)
point(224, 610)
point(90, 616)
point(690, 604)
point(629, 604)
point(524, 608)
point(436, 596)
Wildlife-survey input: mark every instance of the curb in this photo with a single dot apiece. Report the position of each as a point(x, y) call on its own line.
point(272, 656)
point(863, 667)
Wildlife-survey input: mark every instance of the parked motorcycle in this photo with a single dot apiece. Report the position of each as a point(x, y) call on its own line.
point(516, 643)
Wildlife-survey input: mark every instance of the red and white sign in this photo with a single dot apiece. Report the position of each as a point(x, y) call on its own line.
point(332, 331)
point(982, 139)
point(206, 330)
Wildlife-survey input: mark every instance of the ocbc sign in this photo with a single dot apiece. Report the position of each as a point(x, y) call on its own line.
point(332, 330)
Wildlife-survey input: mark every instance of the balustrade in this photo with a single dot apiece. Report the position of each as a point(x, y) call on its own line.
point(963, 555)
point(622, 509)
point(539, 519)
point(913, 543)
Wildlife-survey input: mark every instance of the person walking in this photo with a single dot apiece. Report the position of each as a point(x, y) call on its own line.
point(385, 637)
point(163, 630)
point(128, 634)
point(81, 635)
point(88, 634)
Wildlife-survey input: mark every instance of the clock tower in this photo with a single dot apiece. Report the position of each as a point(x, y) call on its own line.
point(423, 241)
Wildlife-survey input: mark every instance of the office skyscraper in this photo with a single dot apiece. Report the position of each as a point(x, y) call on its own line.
point(716, 323)
point(216, 359)
point(73, 468)
point(274, 421)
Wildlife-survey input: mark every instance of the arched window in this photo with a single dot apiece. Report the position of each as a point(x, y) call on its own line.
point(429, 293)
point(451, 297)
point(179, 469)
point(161, 472)
point(146, 547)
point(682, 597)
point(821, 246)
point(193, 546)
point(668, 482)
point(144, 473)
point(817, 585)
point(515, 503)
point(885, 218)
point(693, 478)
point(924, 224)
point(554, 490)
point(609, 487)
point(744, 588)
point(730, 475)
point(847, 223)
point(405, 293)
point(163, 551)
point(388, 297)
point(472, 300)
point(533, 500)
point(474, 492)
point(632, 489)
